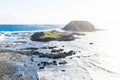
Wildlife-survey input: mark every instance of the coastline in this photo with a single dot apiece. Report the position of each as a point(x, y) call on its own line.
point(26, 62)
point(82, 62)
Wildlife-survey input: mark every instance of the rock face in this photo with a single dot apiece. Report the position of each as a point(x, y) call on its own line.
point(79, 26)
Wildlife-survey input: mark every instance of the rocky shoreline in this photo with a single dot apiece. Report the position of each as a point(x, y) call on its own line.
point(32, 53)
point(15, 56)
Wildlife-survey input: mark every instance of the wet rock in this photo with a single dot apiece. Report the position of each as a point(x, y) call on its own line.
point(63, 70)
point(78, 56)
point(48, 47)
point(91, 43)
point(51, 55)
point(41, 67)
point(52, 47)
point(63, 62)
point(79, 51)
point(32, 59)
point(30, 48)
point(20, 42)
point(58, 55)
point(46, 63)
point(56, 50)
point(54, 63)
point(20, 75)
point(38, 64)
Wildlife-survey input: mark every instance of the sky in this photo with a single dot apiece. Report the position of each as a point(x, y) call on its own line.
point(100, 12)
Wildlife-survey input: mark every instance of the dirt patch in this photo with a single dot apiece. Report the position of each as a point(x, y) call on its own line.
point(8, 55)
point(5, 69)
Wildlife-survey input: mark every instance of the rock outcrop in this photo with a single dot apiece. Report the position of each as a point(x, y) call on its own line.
point(52, 36)
point(79, 26)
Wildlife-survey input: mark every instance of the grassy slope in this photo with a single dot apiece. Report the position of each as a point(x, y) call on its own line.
point(50, 34)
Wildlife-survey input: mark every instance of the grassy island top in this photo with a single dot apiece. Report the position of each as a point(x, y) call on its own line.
point(50, 34)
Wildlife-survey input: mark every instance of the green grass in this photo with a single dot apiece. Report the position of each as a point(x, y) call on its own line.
point(50, 34)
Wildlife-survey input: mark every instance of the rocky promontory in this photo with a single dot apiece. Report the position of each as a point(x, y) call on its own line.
point(79, 26)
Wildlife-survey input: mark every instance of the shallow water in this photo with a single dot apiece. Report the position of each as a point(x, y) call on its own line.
point(98, 61)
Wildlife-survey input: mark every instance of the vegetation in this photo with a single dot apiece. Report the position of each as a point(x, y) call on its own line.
point(50, 34)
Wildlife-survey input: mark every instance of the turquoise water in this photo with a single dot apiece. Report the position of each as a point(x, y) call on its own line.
point(27, 27)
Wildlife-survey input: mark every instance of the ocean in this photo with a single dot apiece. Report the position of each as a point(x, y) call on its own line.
point(13, 27)
point(98, 61)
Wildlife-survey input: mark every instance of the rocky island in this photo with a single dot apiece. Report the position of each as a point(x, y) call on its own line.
point(79, 26)
point(52, 36)
point(72, 28)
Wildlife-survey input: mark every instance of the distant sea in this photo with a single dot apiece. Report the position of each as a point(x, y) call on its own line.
point(11, 28)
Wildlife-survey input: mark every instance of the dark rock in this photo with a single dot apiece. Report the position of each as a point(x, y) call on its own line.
point(54, 63)
point(79, 26)
point(25, 65)
point(44, 47)
point(66, 37)
point(63, 70)
point(52, 47)
point(59, 54)
point(41, 67)
point(20, 42)
point(63, 62)
point(32, 59)
point(46, 63)
point(7, 46)
point(91, 43)
point(70, 57)
point(56, 50)
point(49, 47)
point(20, 75)
point(38, 64)
point(30, 48)
point(78, 56)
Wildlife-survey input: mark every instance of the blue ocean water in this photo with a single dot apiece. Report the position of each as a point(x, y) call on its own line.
point(27, 27)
